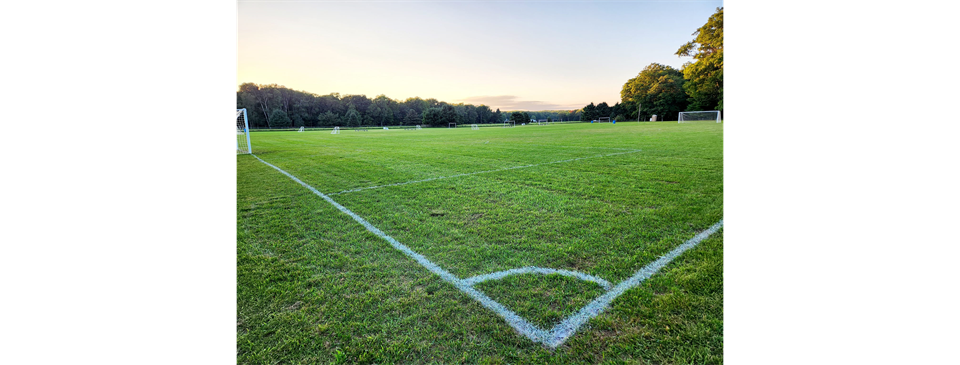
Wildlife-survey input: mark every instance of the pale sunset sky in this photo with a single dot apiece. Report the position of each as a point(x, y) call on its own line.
point(530, 55)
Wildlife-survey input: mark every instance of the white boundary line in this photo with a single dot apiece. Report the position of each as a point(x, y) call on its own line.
point(536, 270)
point(479, 172)
point(559, 333)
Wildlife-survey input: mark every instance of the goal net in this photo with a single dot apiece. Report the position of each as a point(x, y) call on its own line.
point(243, 132)
point(711, 115)
point(452, 125)
point(474, 127)
point(301, 129)
point(509, 123)
point(336, 130)
point(603, 119)
point(418, 127)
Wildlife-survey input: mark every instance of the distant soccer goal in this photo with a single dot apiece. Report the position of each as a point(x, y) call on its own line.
point(243, 133)
point(452, 125)
point(418, 127)
point(712, 115)
point(474, 127)
point(336, 130)
point(509, 123)
point(542, 122)
point(603, 119)
point(301, 129)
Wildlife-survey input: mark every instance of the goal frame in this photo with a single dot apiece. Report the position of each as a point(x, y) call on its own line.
point(243, 133)
point(680, 116)
point(451, 125)
point(509, 123)
point(602, 119)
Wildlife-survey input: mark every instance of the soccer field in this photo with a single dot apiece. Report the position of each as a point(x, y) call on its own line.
point(567, 243)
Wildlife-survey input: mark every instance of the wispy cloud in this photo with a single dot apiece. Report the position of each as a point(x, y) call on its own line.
point(512, 102)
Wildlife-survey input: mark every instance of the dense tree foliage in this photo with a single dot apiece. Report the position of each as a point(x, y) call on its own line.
point(310, 110)
point(279, 119)
point(705, 74)
point(659, 90)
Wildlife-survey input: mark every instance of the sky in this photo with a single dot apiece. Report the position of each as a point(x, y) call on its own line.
point(530, 55)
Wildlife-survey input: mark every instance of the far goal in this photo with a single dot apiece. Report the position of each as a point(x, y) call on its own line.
point(603, 120)
point(243, 132)
point(711, 115)
point(474, 127)
point(509, 123)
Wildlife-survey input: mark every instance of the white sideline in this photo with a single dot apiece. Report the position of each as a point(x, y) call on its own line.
point(479, 172)
point(559, 333)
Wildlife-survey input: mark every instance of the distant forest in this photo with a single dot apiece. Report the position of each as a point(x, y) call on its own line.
point(658, 89)
point(273, 106)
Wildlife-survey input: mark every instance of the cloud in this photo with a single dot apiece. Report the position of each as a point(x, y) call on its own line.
point(512, 102)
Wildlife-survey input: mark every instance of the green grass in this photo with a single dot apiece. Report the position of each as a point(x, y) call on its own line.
point(315, 287)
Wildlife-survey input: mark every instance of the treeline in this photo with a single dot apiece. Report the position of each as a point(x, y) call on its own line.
point(665, 91)
point(551, 115)
point(274, 106)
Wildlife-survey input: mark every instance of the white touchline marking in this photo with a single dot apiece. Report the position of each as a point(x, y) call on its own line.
point(559, 333)
point(479, 172)
point(571, 324)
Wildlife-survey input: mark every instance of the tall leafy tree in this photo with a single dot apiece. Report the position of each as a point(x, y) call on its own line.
point(483, 114)
point(705, 74)
point(257, 103)
point(352, 118)
point(659, 88)
point(589, 112)
point(411, 118)
point(603, 110)
point(448, 114)
point(328, 119)
point(431, 117)
point(279, 119)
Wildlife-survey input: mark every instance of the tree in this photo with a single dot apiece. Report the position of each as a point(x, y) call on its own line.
point(448, 114)
point(705, 74)
point(499, 117)
point(411, 118)
point(603, 110)
point(517, 117)
point(279, 119)
point(352, 118)
point(328, 119)
point(431, 117)
point(667, 97)
point(659, 88)
point(589, 112)
point(257, 103)
point(484, 114)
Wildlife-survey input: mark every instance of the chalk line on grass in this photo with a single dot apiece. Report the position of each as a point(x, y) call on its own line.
point(479, 172)
point(536, 270)
point(559, 333)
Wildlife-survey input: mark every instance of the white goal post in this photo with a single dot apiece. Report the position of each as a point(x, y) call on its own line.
point(509, 123)
point(712, 115)
point(603, 119)
point(336, 130)
point(474, 127)
point(451, 125)
point(301, 129)
point(243, 132)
